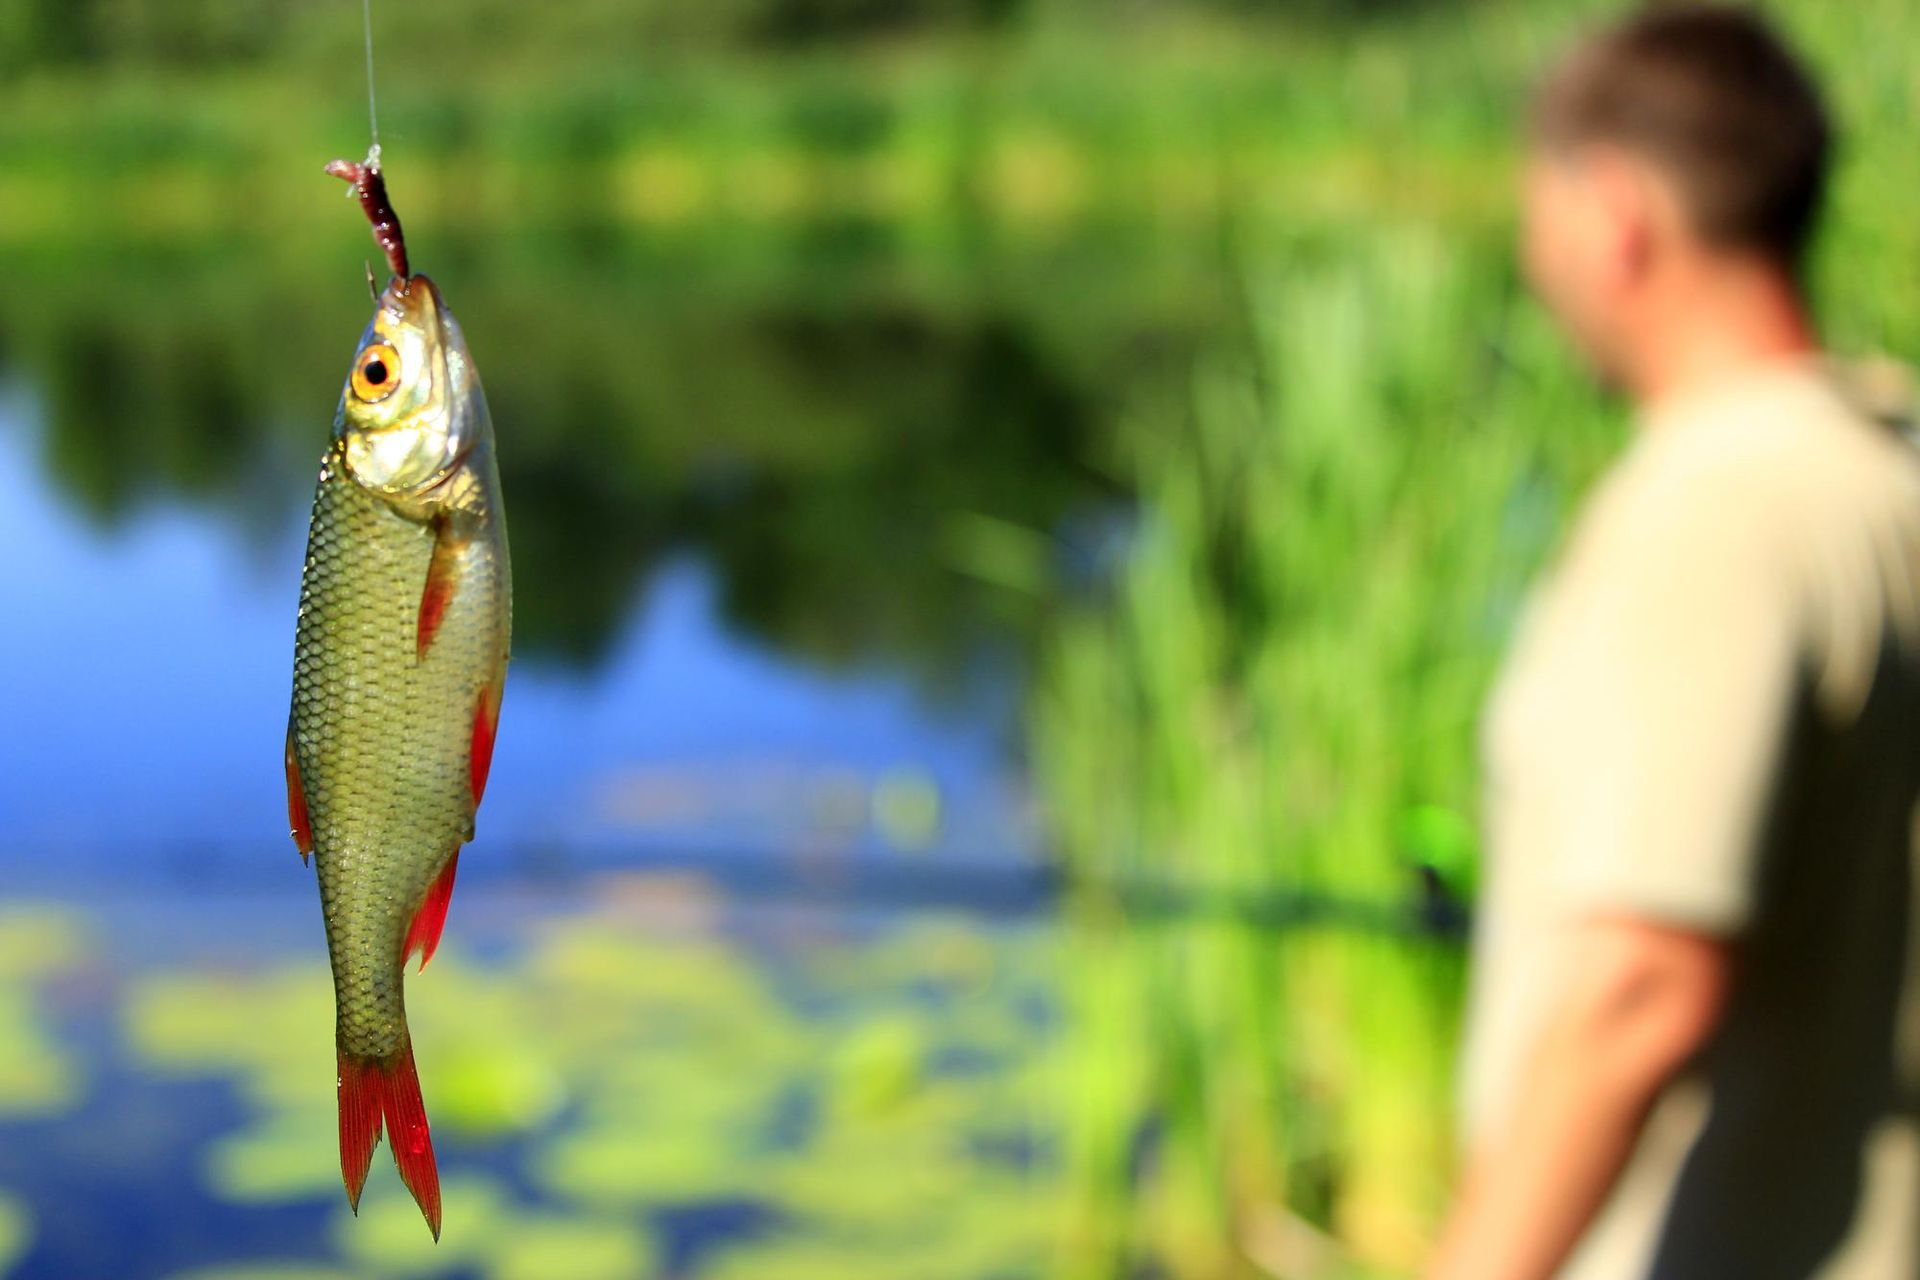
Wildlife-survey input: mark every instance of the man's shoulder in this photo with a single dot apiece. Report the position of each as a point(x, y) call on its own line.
point(1759, 479)
point(1819, 446)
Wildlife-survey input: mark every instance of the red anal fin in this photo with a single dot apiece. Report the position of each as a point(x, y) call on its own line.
point(297, 818)
point(486, 723)
point(377, 1094)
point(424, 934)
point(437, 593)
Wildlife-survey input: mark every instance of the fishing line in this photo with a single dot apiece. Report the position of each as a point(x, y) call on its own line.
point(373, 115)
point(366, 184)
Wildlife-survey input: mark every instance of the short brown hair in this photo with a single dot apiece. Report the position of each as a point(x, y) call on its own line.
point(1714, 98)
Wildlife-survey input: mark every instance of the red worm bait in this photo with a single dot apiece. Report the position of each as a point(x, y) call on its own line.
point(372, 190)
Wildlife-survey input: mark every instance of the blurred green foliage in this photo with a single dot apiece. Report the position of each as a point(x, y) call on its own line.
point(776, 308)
point(1280, 694)
point(844, 315)
point(209, 33)
point(1284, 691)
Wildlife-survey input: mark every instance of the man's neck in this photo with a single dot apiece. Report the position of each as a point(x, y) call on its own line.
point(1736, 322)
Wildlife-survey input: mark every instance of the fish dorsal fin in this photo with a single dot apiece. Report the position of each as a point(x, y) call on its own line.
point(297, 817)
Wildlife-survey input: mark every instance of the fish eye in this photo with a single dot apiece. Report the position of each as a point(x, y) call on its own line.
point(376, 373)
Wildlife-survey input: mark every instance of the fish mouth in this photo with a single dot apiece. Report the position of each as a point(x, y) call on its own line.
point(415, 301)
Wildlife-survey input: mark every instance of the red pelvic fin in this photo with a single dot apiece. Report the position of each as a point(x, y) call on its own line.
point(376, 1094)
point(297, 817)
point(424, 934)
point(486, 723)
point(437, 593)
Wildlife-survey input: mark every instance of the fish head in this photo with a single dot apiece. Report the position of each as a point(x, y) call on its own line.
point(412, 408)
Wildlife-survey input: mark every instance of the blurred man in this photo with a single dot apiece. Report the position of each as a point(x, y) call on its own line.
point(1695, 1039)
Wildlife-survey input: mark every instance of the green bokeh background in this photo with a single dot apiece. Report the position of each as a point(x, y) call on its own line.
point(1172, 351)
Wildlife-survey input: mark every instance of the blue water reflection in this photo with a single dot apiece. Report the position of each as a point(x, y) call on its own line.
point(145, 673)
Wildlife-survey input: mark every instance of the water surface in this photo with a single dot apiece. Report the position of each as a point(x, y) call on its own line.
point(749, 970)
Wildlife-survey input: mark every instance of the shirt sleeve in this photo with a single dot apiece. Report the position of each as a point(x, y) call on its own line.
point(1681, 666)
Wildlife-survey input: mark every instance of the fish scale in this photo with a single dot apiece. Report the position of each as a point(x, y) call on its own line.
point(382, 736)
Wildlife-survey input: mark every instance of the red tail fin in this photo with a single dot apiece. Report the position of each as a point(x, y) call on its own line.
point(359, 1123)
point(371, 1092)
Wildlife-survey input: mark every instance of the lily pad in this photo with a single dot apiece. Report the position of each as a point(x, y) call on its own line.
point(623, 1167)
point(540, 1247)
point(265, 1271)
point(36, 1077)
point(389, 1234)
point(489, 1087)
point(38, 940)
point(16, 1232)
point(288, 1157)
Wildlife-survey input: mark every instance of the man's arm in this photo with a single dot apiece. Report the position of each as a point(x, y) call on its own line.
point(1636, 1001)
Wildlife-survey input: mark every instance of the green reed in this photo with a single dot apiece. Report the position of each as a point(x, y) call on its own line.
point(1277, 705)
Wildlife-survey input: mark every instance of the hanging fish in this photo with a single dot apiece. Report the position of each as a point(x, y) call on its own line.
point(399, 658)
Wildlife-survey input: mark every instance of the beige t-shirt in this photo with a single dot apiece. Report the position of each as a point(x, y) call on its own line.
point(1711, 719)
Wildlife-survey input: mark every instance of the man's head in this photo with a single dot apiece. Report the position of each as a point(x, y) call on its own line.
point(1683, 148)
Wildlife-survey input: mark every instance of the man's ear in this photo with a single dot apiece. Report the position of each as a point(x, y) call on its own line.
point(1628, 206)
